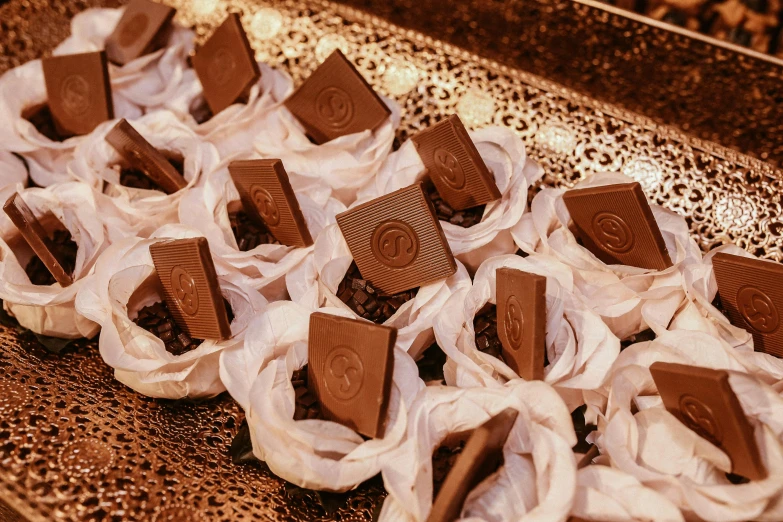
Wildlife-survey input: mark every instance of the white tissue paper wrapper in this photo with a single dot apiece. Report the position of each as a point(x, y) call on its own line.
point(13, 171)
point(22, 88)
point(125, 281)
point(313, 454)
point(630, 299)
point(580, 347)
point(149, 80)
point(343, 164)
point(665, 455)
point(537, 480)
point(50, 310)
point(98, 164)
point(313, 283)
point(504, 154)
point(207, 207)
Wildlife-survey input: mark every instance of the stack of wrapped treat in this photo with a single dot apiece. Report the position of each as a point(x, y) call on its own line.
point(404, 312)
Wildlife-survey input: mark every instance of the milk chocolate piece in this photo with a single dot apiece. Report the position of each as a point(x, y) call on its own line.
point(191, 288)
point(350, 369)
point(78, 91)
point(616, 224)
point(454, 165)
point(142, 156)
point(32, 232)
point(266, 194)
point(702, 399)
point(144, 28)
point(482, 456)
point(521, 309)
point(226, 65)
point(397, 242)
point(751, 293)
point(336, 100)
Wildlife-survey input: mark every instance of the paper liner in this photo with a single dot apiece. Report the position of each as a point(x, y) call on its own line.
point(313, 283)
point(13, 170)
point(504, 154)
point(314, 454)
point(124, 282)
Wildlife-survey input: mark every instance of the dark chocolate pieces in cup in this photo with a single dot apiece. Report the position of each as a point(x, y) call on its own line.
point(191, 288)
point(454, 165)
point(336, 101)
point(31, 230)
point(267, 195)
point(397, 242)
point(521, 309)
point(144, 157)
point(616, 224)
point(481, 457)
point(351, 364)
point(702, 399)
point(226, 65)
point(78, 91)
point(144, 28)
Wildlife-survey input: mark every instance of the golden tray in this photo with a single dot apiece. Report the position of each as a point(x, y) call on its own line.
point(77, 445)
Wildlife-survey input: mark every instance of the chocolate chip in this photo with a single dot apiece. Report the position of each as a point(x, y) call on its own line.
point(62, 243)
point(464, 218)
point(201, 112)
point(41, 118)
point(443, 460)
point(250, 233)
point(134, 178)
point(306, 404)
point(365, 300)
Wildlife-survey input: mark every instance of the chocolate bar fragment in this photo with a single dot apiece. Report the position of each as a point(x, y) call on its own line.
point(616, 224)
point(31, 230)
point(336, 100)
point(751, 293)
point(367, 301)
point(79, 92)
point(144, 157)
point(350, 370)
point(521, 309)
point(191, 287)
point(454, 165)
point(266, 194)
point(397, 242)
point(462, 218)
point(702, 399)
point(144, 28)
point(306, 403)
point(226, 65)
point(482, 455)
point(249, 232)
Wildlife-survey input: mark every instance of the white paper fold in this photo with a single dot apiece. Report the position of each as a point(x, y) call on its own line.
point(124, 282)
point(314, 454)
point(313, 283)
point(13, 171)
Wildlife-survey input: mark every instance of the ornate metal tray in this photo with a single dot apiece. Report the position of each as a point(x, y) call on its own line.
point(77, 445)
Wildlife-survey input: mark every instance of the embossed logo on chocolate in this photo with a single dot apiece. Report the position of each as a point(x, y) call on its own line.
point(334, 107)
point(612, 232)
point(758, 309)
point(184, 290)
point(395, 244)
point(75, 95)
point(514, 322)
point(449, 168)
point(265, 204)
point(133, 29)
point(343, 373)
point(222, 66)
point(700, 419)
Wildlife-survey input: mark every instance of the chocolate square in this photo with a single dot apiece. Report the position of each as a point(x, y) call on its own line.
point(702, 399)
point(521, 309)
point(144, 28)
point(455, 166)
point(141, 155)
point(79, 92)
point(616, 224)
point(397, 241)
point(267, 195)
point(350, 368)
point(336, 100)
point(191, 287)
point(751, 293)
point(31, 230)
point(226, 65)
